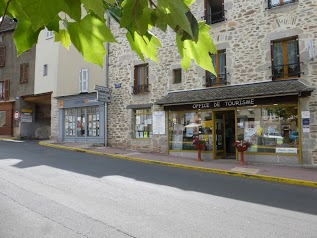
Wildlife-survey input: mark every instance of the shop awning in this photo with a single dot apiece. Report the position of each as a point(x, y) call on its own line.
point(262, 89)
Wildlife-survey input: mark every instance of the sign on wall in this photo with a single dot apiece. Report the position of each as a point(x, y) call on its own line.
point(159, 123)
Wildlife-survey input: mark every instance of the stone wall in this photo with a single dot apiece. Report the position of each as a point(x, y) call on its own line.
point(246, 36)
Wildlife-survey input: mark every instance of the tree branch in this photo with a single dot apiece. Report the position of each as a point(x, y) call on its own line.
point(5, 13)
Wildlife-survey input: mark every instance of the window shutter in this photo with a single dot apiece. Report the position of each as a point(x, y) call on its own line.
point(2, 55)
point(26, 73)
point(21, 73)
point(6, 90)
point(83, 80)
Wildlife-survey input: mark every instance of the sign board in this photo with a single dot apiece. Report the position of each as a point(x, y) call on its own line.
point(103, 96)
point(102, 88)
point(26, 117)
point(117, 85)
point(159, 123)
point(16, 115)
point(286, 150)
point(27, 110)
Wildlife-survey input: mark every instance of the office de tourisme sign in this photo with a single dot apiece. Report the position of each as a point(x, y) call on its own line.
point(222, 104)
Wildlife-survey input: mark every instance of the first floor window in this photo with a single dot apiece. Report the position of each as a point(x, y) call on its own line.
point(285, 58)
point(83, 81)
point(143, 123)
point(177, 76)
point(141, 79)
point(219, 63)
point(4, 90)
point(24, 73)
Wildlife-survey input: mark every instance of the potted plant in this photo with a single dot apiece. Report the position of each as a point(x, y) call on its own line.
point(200, 145)
point(242, 146)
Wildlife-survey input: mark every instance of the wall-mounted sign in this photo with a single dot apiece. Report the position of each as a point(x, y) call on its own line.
point(26, 117)
point(27, 110)
point(305, 124)
point(117, 85)
point(16, 115)
point(305, 114)
point(286, 150)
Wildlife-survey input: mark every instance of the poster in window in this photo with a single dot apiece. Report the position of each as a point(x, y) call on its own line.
point(159, 122)
point(137, 120)
point(94, 133)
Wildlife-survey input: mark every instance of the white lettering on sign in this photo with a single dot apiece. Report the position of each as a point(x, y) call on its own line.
point(201, 105)
point(239, 102)
point(216, 104)
point(286, 150)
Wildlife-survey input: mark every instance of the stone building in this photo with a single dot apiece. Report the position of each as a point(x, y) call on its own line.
point(264, 91)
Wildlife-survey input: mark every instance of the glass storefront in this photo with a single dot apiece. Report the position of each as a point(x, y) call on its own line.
point(185, 126)
point(270, 128)
point(81, 122)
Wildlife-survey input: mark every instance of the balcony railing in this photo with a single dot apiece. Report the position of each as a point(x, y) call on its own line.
point(277, 3)
point(212, 80)
point(214, 17)
point(140, 89)
point(286, 71)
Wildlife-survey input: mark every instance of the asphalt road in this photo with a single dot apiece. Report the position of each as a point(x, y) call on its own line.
point(48, 192)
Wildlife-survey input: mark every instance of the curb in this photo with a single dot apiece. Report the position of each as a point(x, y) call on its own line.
point(189, 167)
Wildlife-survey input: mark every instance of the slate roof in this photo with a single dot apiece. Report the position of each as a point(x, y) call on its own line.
point(8, 24)
point(268, 88)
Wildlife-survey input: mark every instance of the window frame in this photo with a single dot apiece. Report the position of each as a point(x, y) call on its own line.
point(144, 87)
point(2, 55)
point(208, 7)
point(177, 80)
point(217, 69)
point(83, 78)
point(24, 73)
point(147, 113)
point(49, 34)
point(281, 3)
point(285, 59)
point(5, 94)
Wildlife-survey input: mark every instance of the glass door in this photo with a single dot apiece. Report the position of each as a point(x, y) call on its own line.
point(220, 144)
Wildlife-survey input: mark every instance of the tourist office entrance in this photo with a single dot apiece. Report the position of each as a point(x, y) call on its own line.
point(271, 124)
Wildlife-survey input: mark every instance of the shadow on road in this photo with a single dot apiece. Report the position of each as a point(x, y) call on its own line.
point(290, 197)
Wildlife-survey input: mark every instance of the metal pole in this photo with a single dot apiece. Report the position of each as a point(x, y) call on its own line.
point(107, 84)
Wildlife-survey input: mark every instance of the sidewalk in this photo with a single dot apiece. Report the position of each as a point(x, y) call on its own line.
point(276, 173)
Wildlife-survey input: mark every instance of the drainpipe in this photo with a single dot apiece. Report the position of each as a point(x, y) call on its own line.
point(107, 84)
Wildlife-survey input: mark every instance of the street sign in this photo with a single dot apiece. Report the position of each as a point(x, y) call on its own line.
point(16, 115)
point(102, 88)
point(103, 96)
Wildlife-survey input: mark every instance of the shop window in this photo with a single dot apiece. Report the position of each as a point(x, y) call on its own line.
point(214, 11)
point(3, 118)
point(83, 81)
point(276, 3)
point(70, 122)
point(185, 126)
point(81, 122)
point(141, 79)
point(2, 55)
point(24, 73)
point(285, 59)
point(143, 123)
point(177, 76)
point(219, 63)
point(4, 90)
point(93, 121)
point(269, 129)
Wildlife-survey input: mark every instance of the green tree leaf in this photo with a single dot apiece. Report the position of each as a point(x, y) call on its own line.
point(88, 36)
point(198, 51)
point(144, 45)
point(95, 6)
point(24, 36)
point(42, 12)
point(173, 13)
point(63, 37)
point(136, 16)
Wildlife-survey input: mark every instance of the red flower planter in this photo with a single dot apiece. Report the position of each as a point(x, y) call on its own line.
point(199, 148)
point(241, 149)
